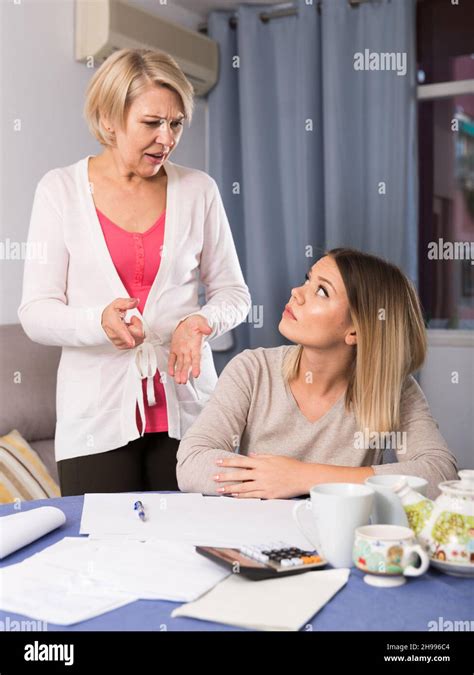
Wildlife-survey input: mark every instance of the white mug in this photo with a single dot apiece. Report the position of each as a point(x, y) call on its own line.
point(330, 517)
point(388, 509)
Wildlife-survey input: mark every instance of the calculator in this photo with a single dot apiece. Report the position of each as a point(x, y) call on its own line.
point(268, 561)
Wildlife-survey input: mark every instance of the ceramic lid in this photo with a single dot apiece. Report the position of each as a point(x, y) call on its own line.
point(460, 488)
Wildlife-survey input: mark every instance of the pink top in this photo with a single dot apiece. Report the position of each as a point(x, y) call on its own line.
point(137, 258)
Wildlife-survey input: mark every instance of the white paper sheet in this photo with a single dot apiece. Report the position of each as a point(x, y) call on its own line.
point(19, 529)
point(54, 595)
point(151, 570)
point(79, 578)
point(192, 518)
point(286, 604)
point(114, 513)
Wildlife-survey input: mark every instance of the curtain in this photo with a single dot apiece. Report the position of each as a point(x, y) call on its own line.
point(310, 153)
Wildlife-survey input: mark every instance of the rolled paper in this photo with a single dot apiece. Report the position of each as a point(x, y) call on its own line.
point(19, 529)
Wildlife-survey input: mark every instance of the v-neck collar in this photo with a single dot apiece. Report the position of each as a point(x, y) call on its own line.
point(100, 246)
point(293, 403)
point(131, 233)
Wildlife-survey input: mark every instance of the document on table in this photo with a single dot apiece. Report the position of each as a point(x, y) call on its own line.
point(79, 578)
point(114, 513)
point(19, 529)
point(40, 591)
point(193, 518)
point(150, 570)
point(282, 604)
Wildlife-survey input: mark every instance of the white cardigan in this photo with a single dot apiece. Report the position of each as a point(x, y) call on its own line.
point(98, 385)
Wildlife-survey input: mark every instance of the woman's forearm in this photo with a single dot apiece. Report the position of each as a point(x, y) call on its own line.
point(313, 474)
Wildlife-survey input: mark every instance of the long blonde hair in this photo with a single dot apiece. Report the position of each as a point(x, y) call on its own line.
point(391, 338)
point(122, 77)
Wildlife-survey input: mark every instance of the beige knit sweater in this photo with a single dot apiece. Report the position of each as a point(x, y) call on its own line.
point(253, 409)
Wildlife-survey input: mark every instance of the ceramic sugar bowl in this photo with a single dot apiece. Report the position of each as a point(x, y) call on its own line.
point(445, 527)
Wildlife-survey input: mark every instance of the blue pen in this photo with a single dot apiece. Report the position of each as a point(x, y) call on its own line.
point(138, 506)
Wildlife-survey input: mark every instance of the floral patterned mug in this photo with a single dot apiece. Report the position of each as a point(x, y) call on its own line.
point(388, 554)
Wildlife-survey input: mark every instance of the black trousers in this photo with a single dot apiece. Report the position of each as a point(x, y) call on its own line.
point(146, 463)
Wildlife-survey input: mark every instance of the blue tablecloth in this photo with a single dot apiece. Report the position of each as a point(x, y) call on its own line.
point(431, 597)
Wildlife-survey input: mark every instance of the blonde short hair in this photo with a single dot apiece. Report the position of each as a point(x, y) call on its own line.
point(391, 338)
point(122, 77)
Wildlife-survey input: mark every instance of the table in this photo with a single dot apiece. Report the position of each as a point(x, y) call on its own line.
point(357, 607)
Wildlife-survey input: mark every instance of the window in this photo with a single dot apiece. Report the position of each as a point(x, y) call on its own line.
point(445, 46)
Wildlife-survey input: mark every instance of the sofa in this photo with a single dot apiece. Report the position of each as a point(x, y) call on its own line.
point(28, 391)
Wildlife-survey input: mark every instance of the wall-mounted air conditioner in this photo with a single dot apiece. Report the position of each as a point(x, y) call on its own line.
point(103, 26)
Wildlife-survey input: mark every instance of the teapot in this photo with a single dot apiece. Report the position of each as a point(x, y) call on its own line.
point(444, 527)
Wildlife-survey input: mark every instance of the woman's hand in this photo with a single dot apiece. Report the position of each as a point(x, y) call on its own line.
point(185, 349)
point(122, 334)
point(264, 476)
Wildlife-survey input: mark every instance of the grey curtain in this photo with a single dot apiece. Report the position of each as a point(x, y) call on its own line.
point(308, 152)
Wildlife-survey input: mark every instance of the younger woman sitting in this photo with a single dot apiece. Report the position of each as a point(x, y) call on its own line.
point(327, 408)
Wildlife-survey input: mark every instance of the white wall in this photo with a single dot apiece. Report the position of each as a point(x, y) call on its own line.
point(447, 380)
point(42, 88)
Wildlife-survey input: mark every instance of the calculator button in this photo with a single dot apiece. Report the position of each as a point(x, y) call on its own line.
point(248, 551)
point(279, 553)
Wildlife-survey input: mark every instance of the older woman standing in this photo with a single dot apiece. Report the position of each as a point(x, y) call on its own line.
point(128, 235)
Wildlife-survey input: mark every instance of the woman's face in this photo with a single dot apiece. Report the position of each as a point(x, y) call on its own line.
point(317, 314)
point(154, 125)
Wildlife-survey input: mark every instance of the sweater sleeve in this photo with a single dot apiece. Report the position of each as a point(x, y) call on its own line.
point(227, 296)
point(44, 312)
point(218, 429)
point(424, 452)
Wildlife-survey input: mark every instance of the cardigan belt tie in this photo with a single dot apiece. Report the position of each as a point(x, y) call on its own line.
point(147, 365)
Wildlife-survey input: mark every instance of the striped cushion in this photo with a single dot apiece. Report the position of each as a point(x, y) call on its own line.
point(23, 476)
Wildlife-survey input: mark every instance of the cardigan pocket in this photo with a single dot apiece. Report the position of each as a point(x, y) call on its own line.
point(188, 393)
point(189, 411)
point(78, 398)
